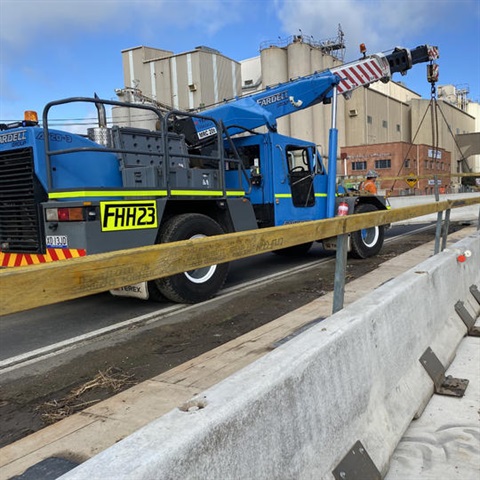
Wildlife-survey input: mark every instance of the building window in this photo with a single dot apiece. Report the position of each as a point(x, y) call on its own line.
point(398, 127)
point(359, 165)
point(369, 119)
point(385, 124)
point(386, 163)
point(407, 163)
point(425, 164)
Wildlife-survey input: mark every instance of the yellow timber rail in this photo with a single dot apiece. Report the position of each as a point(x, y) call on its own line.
point(29, 287)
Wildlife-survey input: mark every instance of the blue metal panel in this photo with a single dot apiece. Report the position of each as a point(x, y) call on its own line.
point(73, 170)
point(286, 212)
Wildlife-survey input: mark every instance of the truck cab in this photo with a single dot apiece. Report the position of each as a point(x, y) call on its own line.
point(288, 181)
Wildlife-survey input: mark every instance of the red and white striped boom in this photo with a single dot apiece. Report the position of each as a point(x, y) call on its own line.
point(381, 67)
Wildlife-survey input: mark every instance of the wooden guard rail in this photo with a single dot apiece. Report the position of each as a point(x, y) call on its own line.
point(24, 288)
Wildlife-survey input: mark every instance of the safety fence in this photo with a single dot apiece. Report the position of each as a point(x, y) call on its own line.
point(24, 288)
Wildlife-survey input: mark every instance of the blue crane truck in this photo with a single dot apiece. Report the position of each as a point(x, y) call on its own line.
point(66, 195)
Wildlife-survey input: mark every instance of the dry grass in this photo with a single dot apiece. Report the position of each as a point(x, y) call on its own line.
point(111, 380)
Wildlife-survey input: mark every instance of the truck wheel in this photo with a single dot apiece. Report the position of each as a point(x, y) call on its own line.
point(195, 285)
point(368, 241)
point(295, 251)
point(154, 294)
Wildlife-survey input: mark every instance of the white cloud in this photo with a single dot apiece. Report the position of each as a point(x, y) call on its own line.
point(381, 25)
point(23, 21)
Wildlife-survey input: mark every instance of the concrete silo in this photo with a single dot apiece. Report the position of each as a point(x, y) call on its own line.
point(299, 65)
point(274, 65)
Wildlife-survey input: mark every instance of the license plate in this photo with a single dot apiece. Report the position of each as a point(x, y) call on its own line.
point(128, 215)
point(56, 241)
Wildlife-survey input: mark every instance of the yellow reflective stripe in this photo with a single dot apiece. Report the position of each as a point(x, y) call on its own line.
point(197, 193)
point(107, 193)
point(205, 193)
point(141, 193)
point(289, 195)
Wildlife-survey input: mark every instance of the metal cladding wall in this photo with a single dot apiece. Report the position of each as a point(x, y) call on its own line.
point(185, 81)
point(139, 68)
point(296, 412)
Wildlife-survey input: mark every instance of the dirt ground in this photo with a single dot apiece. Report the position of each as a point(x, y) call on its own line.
point(29, 404)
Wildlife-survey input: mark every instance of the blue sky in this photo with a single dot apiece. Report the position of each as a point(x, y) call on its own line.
point(51, 49)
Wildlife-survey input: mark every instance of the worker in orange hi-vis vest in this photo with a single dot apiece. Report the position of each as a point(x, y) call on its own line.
point(369, 185)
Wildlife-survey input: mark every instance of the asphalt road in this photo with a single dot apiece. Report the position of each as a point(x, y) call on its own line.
point(24, 332)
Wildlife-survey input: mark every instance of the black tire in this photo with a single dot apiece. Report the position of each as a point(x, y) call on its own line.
point(154, 294)
point(369, 241)
point(295, 251)
point(196, 285)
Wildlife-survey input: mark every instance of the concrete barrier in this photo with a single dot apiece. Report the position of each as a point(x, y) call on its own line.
point(296, 412)
point(462, 214)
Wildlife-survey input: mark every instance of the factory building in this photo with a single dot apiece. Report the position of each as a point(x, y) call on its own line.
point(386, 127)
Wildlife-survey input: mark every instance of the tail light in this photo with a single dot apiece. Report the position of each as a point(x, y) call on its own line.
point(70, 214)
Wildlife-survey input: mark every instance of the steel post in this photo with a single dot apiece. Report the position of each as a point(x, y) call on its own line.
point(439, 218)
point(340, 273)
point(438, 232)
point(446, 227)
point(332, 159)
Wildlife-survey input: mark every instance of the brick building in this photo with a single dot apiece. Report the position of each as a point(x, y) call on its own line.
point(399, 159)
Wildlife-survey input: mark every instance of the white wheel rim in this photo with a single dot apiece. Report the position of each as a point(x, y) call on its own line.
point(200, 275)
point(370, 236)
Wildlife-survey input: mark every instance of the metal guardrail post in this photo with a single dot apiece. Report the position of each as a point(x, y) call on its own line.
point(340, 273)
point(438, 231)
point(439, 218)
point(446, 227)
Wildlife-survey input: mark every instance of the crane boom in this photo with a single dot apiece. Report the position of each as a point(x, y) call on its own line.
point(265, 107)
point(377, 67)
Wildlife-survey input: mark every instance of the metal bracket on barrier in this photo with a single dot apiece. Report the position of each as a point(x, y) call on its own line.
point(356, 464)
point(475, 292)
point(468, 320)
point(454, 387)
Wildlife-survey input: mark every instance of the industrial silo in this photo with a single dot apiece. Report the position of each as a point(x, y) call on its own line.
point(299, 65)
point(274, 65)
